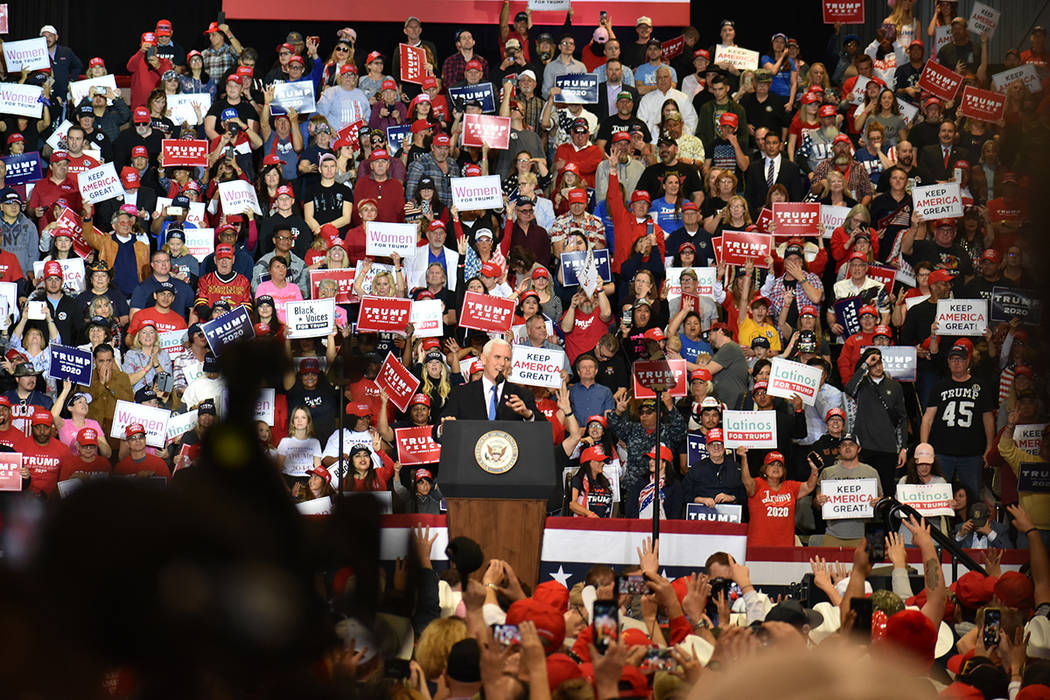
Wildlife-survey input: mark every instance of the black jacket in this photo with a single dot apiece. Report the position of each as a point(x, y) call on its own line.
point(68, 316)
point(467, 402)
point(882, 418)
point(931, 163)
point(755, 182)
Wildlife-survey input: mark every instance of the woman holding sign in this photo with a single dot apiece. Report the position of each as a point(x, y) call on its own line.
point(771, 500)
point(77, 407)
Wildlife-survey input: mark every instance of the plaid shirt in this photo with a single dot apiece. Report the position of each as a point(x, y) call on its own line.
point(774, 289)
point(426, 166)
point(217, 62)
point(533, 107)
point(591, 226)
point(857, 180)
point(454, 66)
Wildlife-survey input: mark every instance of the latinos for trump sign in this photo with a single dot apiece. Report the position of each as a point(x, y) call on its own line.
point(71, 364)
point(486, 130)
point(474, 193)
point(848, 498)
point(930, 500)
point(383, 315)
point(796, 219)
point(237, 197)
point(416, 445)
point(573, 261)
point(228, 329)
point(645, 374)
point(413, 63)
point(29, 54)
point(484, 312)
point(299, 95)
point(738, 247)
point(983, 20)
point(313, 318)
point(898, 361)
point(578, 88)
point(426, 318)
point(383, 238)
point(736, 56)
point(843, 11)
point(940, 81)
point(482, 93)
point(787, 378)
point(961, 316)
point(940, 201)
point(188, 152)
point(99, 184)
point(397, 381)
point(154, 420)
point(750, 429)
point(982, 105)
point(537, 366)
point(23, 168)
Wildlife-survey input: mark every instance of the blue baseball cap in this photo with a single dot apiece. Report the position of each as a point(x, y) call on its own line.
point(229, 113)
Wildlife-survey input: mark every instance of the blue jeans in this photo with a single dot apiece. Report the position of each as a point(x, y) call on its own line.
point(966, 470)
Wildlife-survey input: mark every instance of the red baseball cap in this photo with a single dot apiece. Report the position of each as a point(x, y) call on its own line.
point(273, 158)
point(137, 152)
point(149, 38)
point(420, 125)
point(760, 386)
point(96, 61)
point(41, 417)
point(702, 52)
point(441, 140)
point(808, 310)
point(347, 68)
point(540, 271)
point(360, 410)
point(87, 436)
point(809, 98)
point(665, 453)
point(834, 413)
point(141, 115)
point(134, 429)
point(991, 255)
point(640, 196)
point(224, 250)
point(491, 269)
point(53, 268)
point(285, 190)
point(577, 197)
point(773, 456)
point(421, 399)
point(654, 334)
point(163, 27)
point(429, 82)
point(594, 454)
point(379, 154)
point(621, 136)
point(867, 309)
point(549, 621)
point(323, 473)
point(389, 85)
point(841, 138)
point(714, 435)
point(129, 178)
point(728, 119)
point(883, 330)
point(473, 64)
point(826, 110)
point(700, 374)
point(857, 255)
point(939, 276)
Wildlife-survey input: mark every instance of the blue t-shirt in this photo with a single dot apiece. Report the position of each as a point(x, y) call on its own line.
point(645, 74)
point(871, 164)
point(665, 214)
point(692, 348)
point(781, 85)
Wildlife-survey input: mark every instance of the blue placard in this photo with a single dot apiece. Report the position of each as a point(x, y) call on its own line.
point(696, 448)
point(71, 364)
point(23, 168)
point(395, 137)
point(722, 513)
point(1008, 303)
point(227, 329)
point(847, 316)
point(572, 261)
point(1033, 477)
point(482, 92)
point(578, 88)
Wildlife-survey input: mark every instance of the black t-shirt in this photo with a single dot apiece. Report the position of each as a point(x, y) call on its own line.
point(322, 402)
point(244, 112)
point(328, 200)
point(954, 259)
point(304, 237)
point(597, 499)
point(610, 126)
point(653, 177)
point(770, 114)
point(958, 427)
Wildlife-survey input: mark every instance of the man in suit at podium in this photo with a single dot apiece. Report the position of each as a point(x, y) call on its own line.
point(492, 397)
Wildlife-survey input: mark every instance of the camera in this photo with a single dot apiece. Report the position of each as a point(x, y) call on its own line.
point(164, 383)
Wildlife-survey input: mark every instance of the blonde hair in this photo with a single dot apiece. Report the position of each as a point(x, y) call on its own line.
point(444, 387)
point(747, 211)
point(435, 642)
point(393, 282)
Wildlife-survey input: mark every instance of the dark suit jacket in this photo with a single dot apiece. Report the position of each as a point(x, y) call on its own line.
point(931, 162)
point(466, 402)
point(602, 108)
point(755, 182)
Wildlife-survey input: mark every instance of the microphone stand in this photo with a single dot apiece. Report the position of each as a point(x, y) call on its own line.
point(892, 512)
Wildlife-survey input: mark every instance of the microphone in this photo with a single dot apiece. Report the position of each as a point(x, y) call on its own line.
point(499, 379)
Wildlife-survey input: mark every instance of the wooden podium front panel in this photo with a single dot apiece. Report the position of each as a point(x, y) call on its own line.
point(506, 528)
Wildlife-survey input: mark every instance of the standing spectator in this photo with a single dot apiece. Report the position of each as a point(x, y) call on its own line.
point(650, 109)
point(1035, 503)
point(580, 151)
point(728, 366)
point(65, 64)
point(220, 56)
point(881, 417)
point(20, 237)
point(455, 66)
point(587, 396)
point(437, 167)
point(639, 435)
point(847, 532)
point(857, 179)
point(564, 64)
point(771, 500)
point(146, 68)
point(585, 323)
point(717, 478)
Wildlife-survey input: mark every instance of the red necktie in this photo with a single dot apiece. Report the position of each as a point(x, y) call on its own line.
point(947, 154)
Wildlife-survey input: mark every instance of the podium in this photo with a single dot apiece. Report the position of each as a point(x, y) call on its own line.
point(497, 477)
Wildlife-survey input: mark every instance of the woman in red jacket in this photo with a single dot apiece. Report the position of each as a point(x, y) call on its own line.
point(363, 476)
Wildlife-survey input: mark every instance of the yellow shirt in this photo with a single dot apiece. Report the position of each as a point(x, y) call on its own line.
point(1037, 505)
point(749, 330)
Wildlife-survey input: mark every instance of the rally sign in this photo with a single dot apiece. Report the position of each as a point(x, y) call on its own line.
point(416, 445)
point(172, 341)
point(188, 107)
point(383, 315)
point(982, 105)
point(237, 197)
point(883, 274)
point(962, 316)
point(227, 329)
point(572, 263)
point(344, 279)
point(316, 506)
point(99, 184)
point(847, 316)
point(848, 498)
point(550, 5)
point(482, 92)
point(187, 152)
point(787, 378)
point(299, 95)
point(181, 423)
point(705, 277)
point(475, 193)
point(195, 215)
point(266, 405)
point(578, 88)
point(831, 217)
point(930, 500)
point(537, 366)
point(154, 420)
point(721, 513)
point(796, 219)
point(647, 376)
point(898, 361)
point(1009, 303)
point(426, 320)
point(80, 90)
point(72, 274)
point(28, 54)
point(397, 381)
point(368, 277)
point(484, 312)
point(1033, 477)
point(23, 168)
point(413, 63)
point(673, 48)
point(740, 246)
point(3, 18)
point(383, 238)
point(311, 318)
point(1029, 437)
point(843, 11)
point(940, 80)
point(983, 20)
point(750, 429)
point(736, 56)
point(71, 364)
point(486, 130)
point(940, 201)
point(396, 135)
point(10, 471)
point(1025, 73)
point(72, 222)
point(200, 242)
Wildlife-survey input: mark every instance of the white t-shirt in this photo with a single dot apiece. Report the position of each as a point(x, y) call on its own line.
point(299, 454)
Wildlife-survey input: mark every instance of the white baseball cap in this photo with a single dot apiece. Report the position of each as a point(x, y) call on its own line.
point(48, 28)
point(527, 73)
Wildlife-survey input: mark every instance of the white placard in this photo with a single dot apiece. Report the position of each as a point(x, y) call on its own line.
point(72, 274)
point(36, 310)
point(180, 107)
point(474, 193)
point(266, 405)
point(787, 377)
point(237, 196)
point(315, 506)
point(550, 5)
point(537, 366)
point(831, 217)
point(425, 318)
point(1026, 73)
point(99, 184)
point(181, 423)
point(983, 20)
point(80, 89)
point(939, 201)
point(930, 500)
point(30, 54)
point(311, 318)
point(8, 303)
point(736, 56)
point(195, 215)
point(172, 341)
point(705, 279)
point(751, 429)
point(22, 100)
point(1029, 437)
point(848, 499)
point(856, 96)
point(942, 36)
point(58, 135)
point(961, 316)
point(299, 95)
point(366, 278)
point(154, 420)
point(908, 110)
point(200, 242)
point(384, 237)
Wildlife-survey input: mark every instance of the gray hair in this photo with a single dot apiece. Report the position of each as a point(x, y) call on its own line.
point(489, 346)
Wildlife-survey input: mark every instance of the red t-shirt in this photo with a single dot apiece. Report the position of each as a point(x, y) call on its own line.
point(164, 323)
point(1002, 209)
point(549, 407)
point(772, 513)
point(71, 464)
point(585, 334)
point(43, 464)
point(10, 270)
point(80, 164)
point(13, 438)
point(150, 463)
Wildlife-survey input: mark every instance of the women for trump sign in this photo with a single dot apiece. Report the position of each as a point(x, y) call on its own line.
point(474, 193)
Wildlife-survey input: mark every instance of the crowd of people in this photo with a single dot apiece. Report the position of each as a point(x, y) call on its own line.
point(677, 151)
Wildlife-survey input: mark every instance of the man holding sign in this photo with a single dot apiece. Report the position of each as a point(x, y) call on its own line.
point(847, 505)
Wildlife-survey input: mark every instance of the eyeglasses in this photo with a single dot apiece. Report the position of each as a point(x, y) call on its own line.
point(341, 49)
point(526, 211)
point(567, 42)
point(284, 238)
